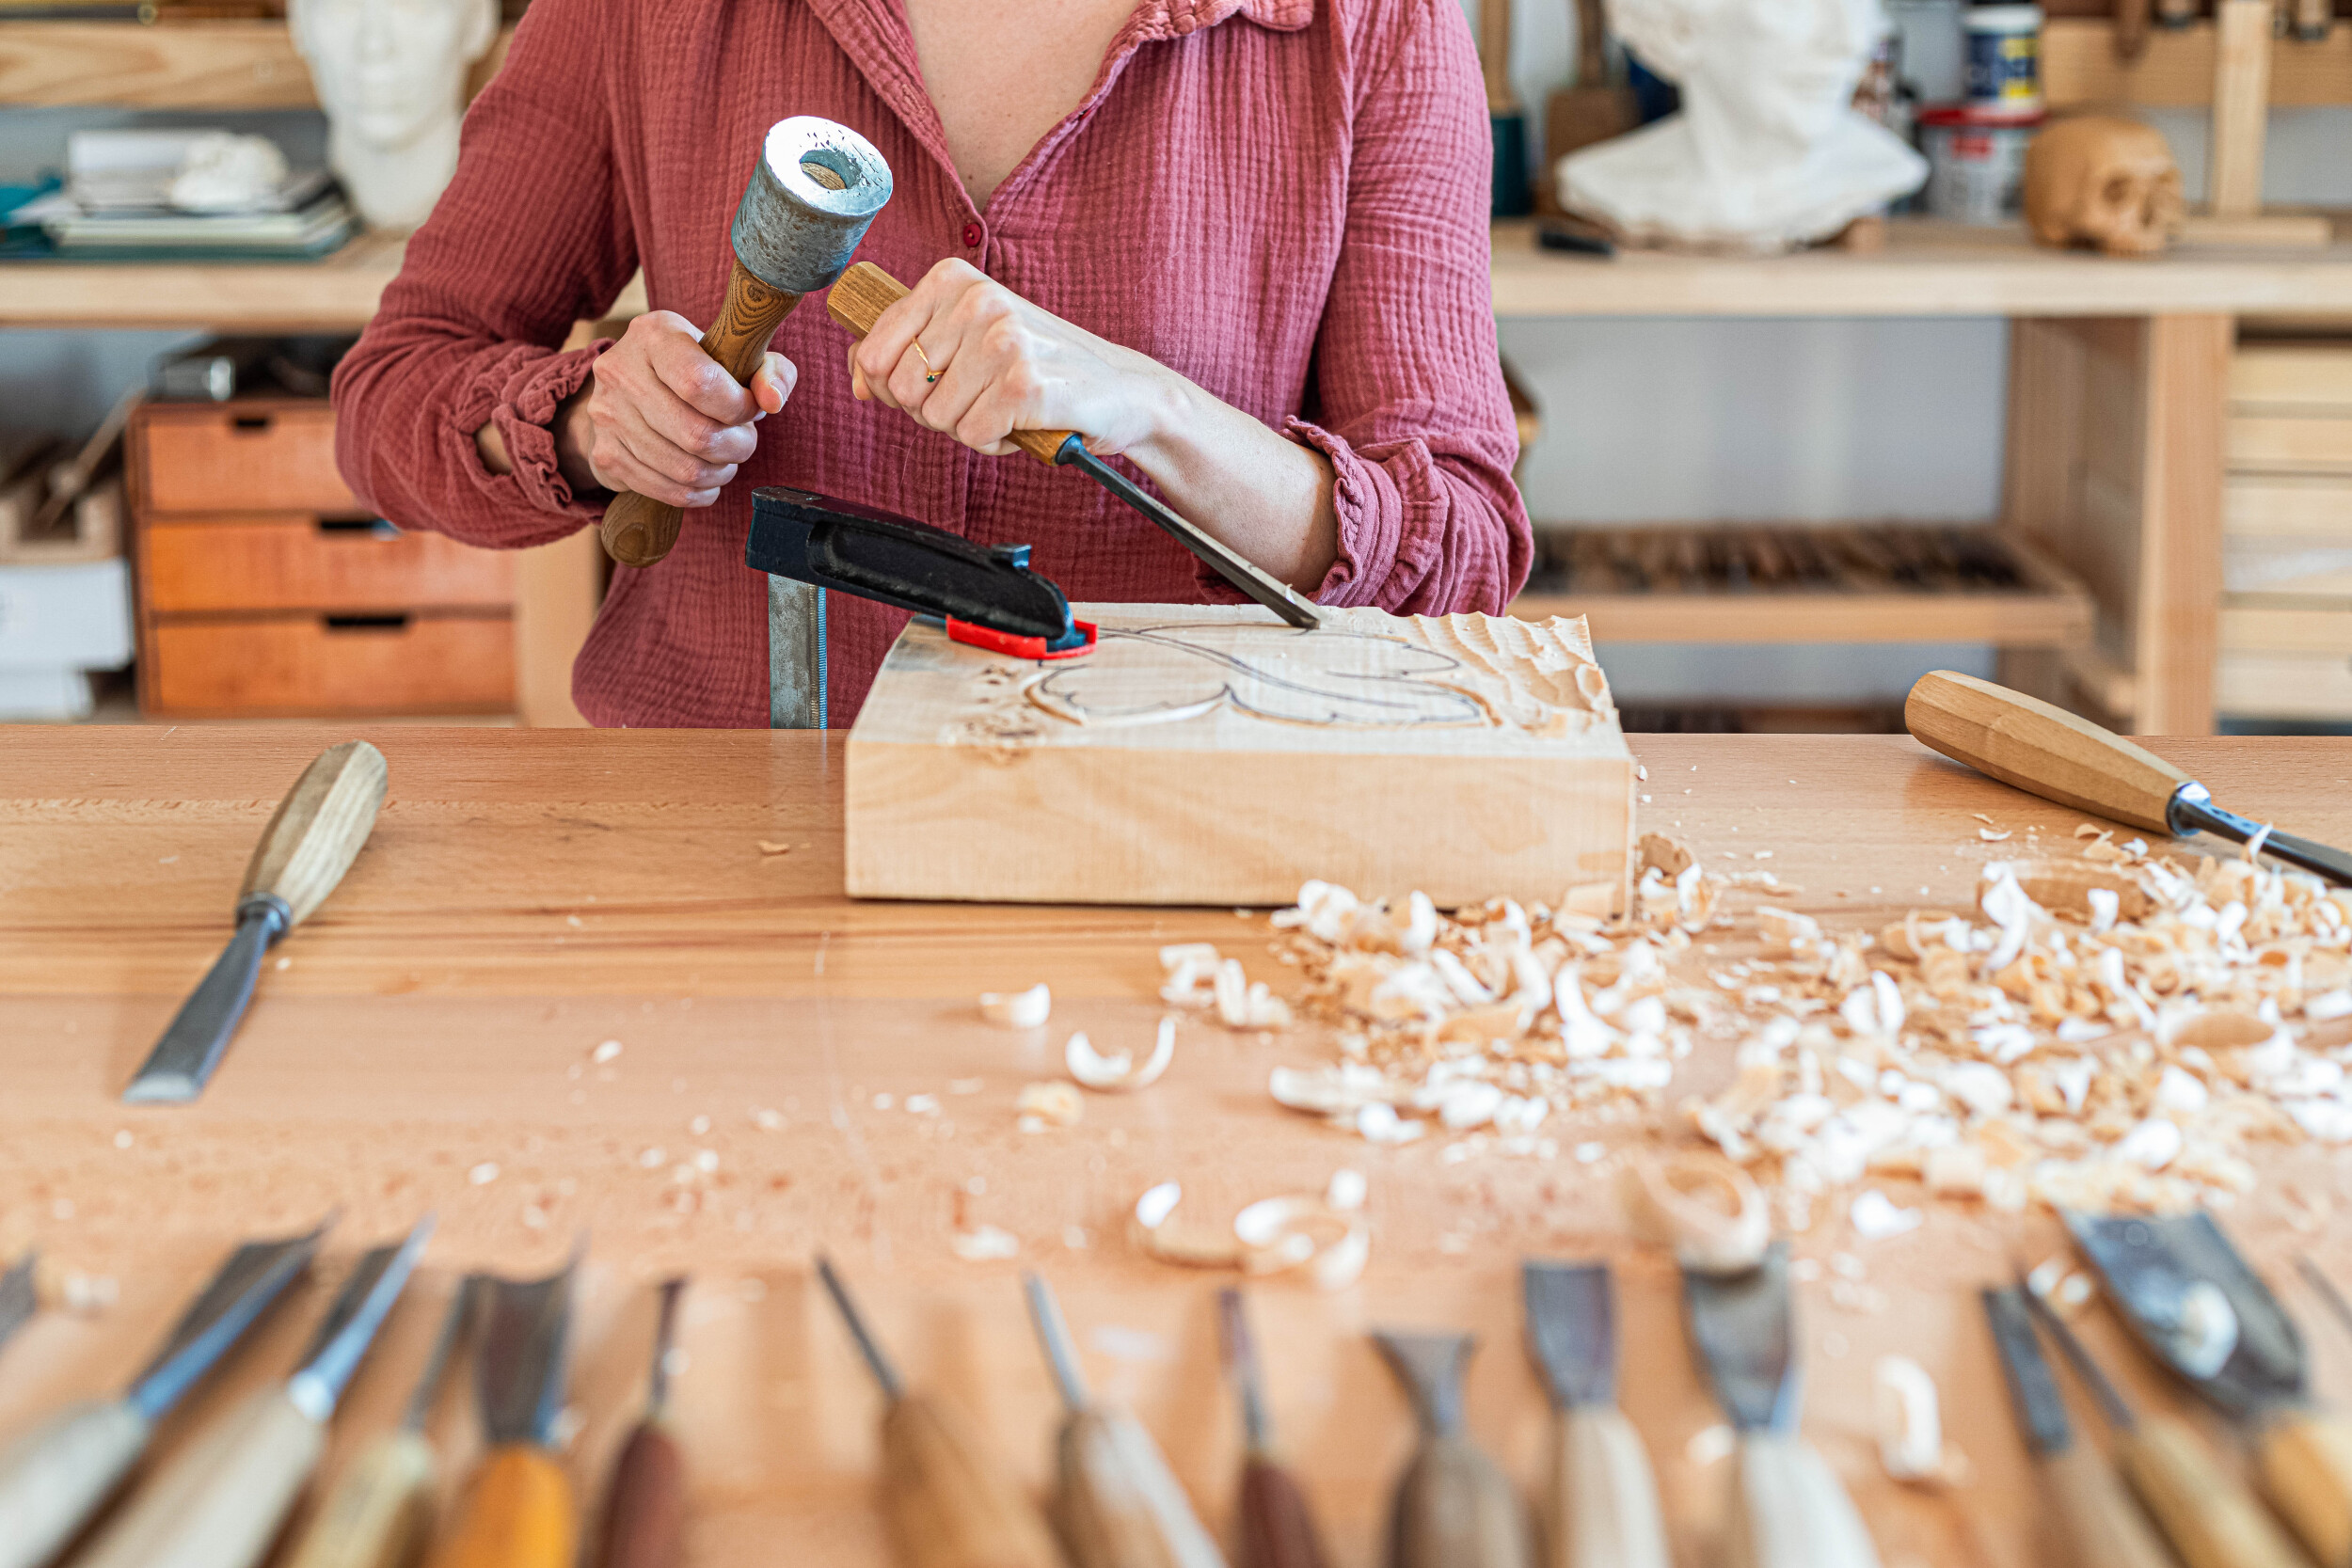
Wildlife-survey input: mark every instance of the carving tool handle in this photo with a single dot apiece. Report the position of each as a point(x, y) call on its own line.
point(1603, 1507)
point(1118, 1505)
point(519, 1514)
point(2211, 1520)
point(378, 1514)
point(54, 1477)
point(948, 1502)
point(644, 1512)
point(857, 302)
point(318, 828)
point(1277, 1528)
point(2100, 1525)
point(1789, 1510)
point(2042, 750)
point(639, 532)
point(2304, 1462)
point(219, 1503)
point(1455, 1510)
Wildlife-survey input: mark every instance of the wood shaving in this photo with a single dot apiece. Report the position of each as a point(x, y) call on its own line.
point(1043, 1105)
point(768, 847)
point(1704, 1208)
point(985, 1244)
point(1120, 1074)
point(1316, 1231)
point(1018, 1009)
point(1909, 1425)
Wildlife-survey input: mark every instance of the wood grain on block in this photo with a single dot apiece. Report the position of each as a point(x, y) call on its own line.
point(254, 454)
point(314, 563)
point(1209, 754)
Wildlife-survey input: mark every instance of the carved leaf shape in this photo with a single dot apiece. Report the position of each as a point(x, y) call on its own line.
point(1332, 678)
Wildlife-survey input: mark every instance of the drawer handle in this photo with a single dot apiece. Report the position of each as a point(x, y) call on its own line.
point(251, 424)
point(373, 528)
point(365, 622)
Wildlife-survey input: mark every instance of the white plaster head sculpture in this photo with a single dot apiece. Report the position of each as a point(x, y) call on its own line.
point(1767, 152)
point(391, 77)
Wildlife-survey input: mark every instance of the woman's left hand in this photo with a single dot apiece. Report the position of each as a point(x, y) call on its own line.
point(966, 356)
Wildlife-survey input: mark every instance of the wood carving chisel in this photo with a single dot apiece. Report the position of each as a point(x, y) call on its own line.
point(2326, 1290)
point(381, 1513)
point(1789, 1510)
point(2101, 1525)
point(518, 1513)
point(2211, 1520)
point(645, 1503)
point(948, 1502)
point(2045, 751)
point(1453, 1507)
point(309, 845)
point(54, 1476)
point(19, 1298)
point(865, 292)
point(1278, 1528)
point(1601, 1500)
point(2189, 1298)
point(220, 1501)
point(1117, 1503)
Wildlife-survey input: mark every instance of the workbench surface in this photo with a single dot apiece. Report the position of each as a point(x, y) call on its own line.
point(429, 1040)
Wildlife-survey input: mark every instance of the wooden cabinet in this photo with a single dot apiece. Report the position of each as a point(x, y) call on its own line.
point(265, 588)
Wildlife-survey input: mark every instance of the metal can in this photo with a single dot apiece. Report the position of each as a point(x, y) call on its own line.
point(1976, 162)
point(2003, 57)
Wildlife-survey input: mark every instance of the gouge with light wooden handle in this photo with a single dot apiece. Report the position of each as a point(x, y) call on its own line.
point(2061, 756)
point(519, 1511)
point(309, 843)
point(1601, 1510)
point(948, 1502)
point(645, 1503)
point(1453, 1507)
point(220, 1502)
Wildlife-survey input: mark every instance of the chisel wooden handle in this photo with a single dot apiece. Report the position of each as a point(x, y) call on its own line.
point(219, 1503)
point(857, 302)
point(2304, 1462)
point(518, 1516)
point(645, 1508)
point(379, 1514)
point(1278, 1529)
point(53, 1478)
point(2042, 750)
point(639, 532)
point(2100, 1525)
point(1454, 1509)
point(1789, 1512)
point(1118, 1505)
point(317, 828)
point(1603, 1510)
point(2211, 1520)
point(946, 1500)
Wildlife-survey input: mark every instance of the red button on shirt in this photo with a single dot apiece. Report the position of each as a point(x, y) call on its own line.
point(971, 235)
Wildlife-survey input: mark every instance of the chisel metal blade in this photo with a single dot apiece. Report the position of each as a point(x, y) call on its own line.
point(2040, 1409)
point(520, 1360)
point(17, 1299)
point(1742, 1324)
point(176, 1070)
point(256, 1274)
point(1572, 1328)
point(2153, 1267)
point(1229, 563)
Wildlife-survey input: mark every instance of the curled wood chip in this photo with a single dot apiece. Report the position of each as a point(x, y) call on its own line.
point(60, 1288)
point(1018, 1009)
point(1706, 1208)
point(1041, 1105)
point(1171, 1244)
point(2207, 1330)
point(1876, 1218)
point(985, 1243)
point(1909, 1427)
point(1120, 1073)
point(768, 847)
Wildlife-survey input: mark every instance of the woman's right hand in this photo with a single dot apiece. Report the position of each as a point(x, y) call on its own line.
point(663, 417)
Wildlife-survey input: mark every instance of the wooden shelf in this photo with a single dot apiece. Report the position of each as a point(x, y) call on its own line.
point(182, 65)
point(2044, 607)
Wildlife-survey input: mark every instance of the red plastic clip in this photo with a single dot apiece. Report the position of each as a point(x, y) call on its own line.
point(1018, 647)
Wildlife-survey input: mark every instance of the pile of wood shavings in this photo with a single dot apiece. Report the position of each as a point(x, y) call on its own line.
point(2109, 1030)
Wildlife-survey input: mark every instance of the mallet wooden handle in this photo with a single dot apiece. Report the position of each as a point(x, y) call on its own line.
point(857, 302)
point(639, 532)
point(1789, 1512)
point(53, 1478)
point(317, 828)
point(645, 1510)
point(948, 1502)
point(378, 1514)
point(518, 1515)
point(1603, 1507)
point(2042, 750)
point(2211, 1520)
point(219, 1503)
point(2101, 1525)
point(1454, 1509)
point(2304, 1462)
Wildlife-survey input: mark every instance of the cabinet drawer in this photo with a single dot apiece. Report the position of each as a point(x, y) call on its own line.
point(2290, 444)
point(2268, 684)
point(317, 664)
point(314, 563)
point(257, 456)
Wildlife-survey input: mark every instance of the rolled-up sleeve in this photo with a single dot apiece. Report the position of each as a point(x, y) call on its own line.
point(1406, 400)
point(529, 237)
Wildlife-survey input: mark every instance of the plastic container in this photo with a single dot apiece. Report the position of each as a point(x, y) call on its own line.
point(2004, 55)
point(1976, 162)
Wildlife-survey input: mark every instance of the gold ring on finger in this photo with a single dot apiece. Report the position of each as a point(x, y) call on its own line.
point(929, 374)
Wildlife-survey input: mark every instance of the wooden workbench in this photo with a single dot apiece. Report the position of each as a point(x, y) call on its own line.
point(528, 895)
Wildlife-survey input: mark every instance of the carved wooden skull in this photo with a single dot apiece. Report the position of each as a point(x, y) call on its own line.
point(2103, 181)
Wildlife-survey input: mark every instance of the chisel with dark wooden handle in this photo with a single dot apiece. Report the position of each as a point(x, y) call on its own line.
point(857, 302)
point(309, 843)
point(644, 1504)
point(2061, 756)
point(1277, 1528)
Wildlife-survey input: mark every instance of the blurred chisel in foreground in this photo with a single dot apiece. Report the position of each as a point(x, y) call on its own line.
point(1118, 1505)
point(54, 1476)
point(2326, 1290)
point(220, 1501)
point(1278, 1529)
point(645, 1503)
point(1452, 1509)
point(519, 1511)
point(18, 1299)
point(946, 1500)
point(381, 1513)
point(2102, 1526)
point(1601, 1503)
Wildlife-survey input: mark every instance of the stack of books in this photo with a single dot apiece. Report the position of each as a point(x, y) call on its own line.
point(115, 205)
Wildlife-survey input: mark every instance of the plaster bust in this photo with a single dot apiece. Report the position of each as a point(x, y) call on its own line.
point(391, 76)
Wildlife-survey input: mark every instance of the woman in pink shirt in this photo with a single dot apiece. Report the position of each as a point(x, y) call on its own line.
point(1240, 243)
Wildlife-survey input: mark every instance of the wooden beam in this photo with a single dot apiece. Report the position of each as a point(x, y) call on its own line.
point(184, 65)
point(2241, 107)
point(2185, 368)
point(2080, 68)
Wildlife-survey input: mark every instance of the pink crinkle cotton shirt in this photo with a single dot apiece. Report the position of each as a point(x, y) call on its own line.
point(1285, 201)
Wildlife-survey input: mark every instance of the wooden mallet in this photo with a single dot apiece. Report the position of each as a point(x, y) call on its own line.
point(815, 189)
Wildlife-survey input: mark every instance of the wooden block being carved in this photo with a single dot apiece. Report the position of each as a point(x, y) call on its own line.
point(1208, 754)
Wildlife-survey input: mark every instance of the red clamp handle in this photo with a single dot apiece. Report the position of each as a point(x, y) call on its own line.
point(1018, 647)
